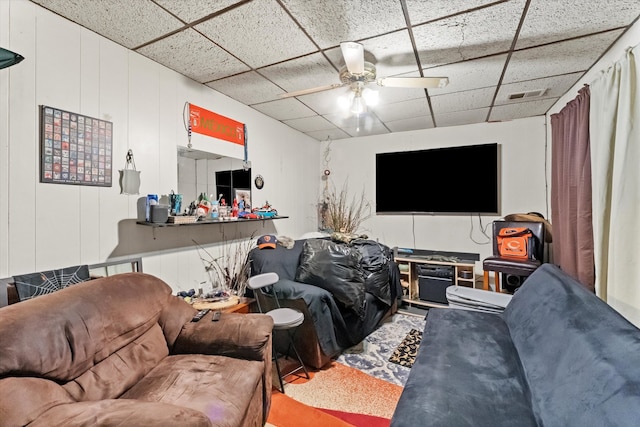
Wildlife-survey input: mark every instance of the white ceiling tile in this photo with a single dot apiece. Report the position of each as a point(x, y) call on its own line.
point(391, 95)
point(325, 102)
point(340, 118)
point(474, 74)
point(331, 22)
point(459, 101)
point(302, 73)
point(423, 11)
point(557, 58)
point(462, 117)
point(465, 36)
point(402, 110)
point(188, 12)
point(255, 50)
point(551, 21)
point(259, 33)
point(555, 87)
point(365, 124)
point(248, 88)
point(188, 53)
point(128, 23)
point(284, 109)
point(323, 135)
point(310, 124)
point(414, 123)
point(521, 110)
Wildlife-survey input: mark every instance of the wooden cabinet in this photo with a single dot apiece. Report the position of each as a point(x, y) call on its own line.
point(463, 275)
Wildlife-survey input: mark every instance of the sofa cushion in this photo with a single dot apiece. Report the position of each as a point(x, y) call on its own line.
point(191, 380)
point(466, 373)
point(122, 369)
point(336, 268)
point(581, 357)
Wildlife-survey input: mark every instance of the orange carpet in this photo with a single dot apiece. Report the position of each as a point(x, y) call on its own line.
point(359, 420)
point(336, 395)
point(287, 412)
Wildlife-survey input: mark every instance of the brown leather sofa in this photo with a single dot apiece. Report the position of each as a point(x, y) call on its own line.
point(121, 350)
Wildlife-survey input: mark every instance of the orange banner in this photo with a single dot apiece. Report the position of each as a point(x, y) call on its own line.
point(211, 124)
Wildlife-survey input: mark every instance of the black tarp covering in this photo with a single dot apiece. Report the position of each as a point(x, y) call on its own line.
point(336, 268)
point(374, 261)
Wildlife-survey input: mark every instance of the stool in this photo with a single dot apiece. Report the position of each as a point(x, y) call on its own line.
point(507, 266)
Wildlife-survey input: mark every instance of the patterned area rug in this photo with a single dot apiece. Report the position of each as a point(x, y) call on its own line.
point(372, 355)
point(405, 353)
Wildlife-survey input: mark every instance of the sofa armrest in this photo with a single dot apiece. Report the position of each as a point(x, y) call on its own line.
point(244, 336)
point(121, 412)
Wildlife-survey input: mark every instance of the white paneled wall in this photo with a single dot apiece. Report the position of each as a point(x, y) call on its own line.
point(45, 226)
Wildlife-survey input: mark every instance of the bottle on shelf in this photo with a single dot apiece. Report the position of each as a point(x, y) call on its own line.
point(234, 208)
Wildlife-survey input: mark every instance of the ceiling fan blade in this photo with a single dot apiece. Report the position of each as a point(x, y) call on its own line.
point(353, 54)
point(309, 91)
point(418, 82)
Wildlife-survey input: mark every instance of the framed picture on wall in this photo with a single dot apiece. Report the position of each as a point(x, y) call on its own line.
point(75, 149)
point(243, 196)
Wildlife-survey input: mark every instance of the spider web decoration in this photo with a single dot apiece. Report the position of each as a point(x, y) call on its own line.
point(35, 284)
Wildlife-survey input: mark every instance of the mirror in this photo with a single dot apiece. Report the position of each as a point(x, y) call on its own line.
point(212, 174)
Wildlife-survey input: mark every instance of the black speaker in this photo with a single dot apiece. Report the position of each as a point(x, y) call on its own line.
point(433, 281)
point(511, 282)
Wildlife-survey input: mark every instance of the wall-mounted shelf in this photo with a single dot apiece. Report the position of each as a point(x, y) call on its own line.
point(208, 222)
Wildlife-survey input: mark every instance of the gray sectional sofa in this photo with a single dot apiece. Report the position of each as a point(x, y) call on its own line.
point(557, 356)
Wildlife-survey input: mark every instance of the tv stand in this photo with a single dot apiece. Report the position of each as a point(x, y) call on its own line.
point(455, 268)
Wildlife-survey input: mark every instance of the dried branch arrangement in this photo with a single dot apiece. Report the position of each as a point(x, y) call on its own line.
point(230, 271)
point(345, 215)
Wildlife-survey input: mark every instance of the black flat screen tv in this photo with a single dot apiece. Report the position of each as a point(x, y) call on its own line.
point(451, 180)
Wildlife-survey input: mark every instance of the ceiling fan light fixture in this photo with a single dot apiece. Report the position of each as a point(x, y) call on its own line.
point(358, 105)
point(344, 101)
point(371, 97)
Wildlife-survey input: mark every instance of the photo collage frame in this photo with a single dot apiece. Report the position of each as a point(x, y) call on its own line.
point(75, 149)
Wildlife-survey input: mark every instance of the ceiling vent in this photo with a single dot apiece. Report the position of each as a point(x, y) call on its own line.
point(529, 94)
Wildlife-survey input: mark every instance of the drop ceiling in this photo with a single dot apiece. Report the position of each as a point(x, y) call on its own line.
point(255, 50)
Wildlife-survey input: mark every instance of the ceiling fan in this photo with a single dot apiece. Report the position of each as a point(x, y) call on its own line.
point(357, 73)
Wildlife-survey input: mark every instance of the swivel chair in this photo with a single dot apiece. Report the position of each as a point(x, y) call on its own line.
point(284, 319)
point(513, 269)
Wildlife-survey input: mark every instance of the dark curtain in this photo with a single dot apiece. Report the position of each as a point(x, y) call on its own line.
point(571, 190)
